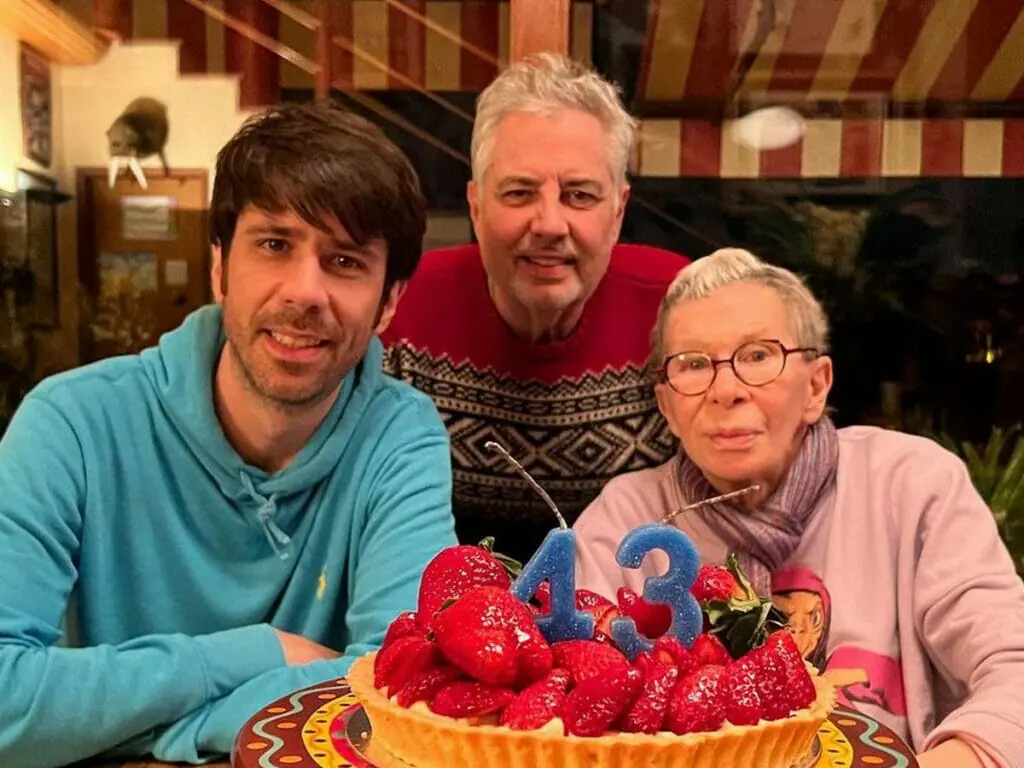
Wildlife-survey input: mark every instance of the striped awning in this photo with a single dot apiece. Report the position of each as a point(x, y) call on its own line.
point(902, 51)
point(400, 45)
point(831, 149)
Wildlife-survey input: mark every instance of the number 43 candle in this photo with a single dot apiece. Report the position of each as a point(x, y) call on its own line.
point(555, 563)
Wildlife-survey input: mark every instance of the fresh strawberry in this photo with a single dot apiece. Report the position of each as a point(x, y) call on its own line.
point(464, 698)
point(643, 660)
point(708, 649)
point(585, 659)
point(594, 704)
point(603, 610)
point(798, 688)
point(406, 656)
point(543, 597)
point(652, 619)
point(604, 615)
point(482, 633)
point(714, 582)
point(669, 650)
point(486, 655)
point(403, 624)
point(742, 696)
point(534, 661)
point(647, 712)
point(698, 702)
point(585, 600)
point(488, 608)
point(453, 572)
point(423, 685)
point(771, 683)
point(538, 704)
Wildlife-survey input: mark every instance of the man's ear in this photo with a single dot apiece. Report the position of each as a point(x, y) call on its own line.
point(620, 214)
point(217, 273)
point(387, 311)
point(473, 198)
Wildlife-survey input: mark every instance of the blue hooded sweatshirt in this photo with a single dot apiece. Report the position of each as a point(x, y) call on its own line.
point(120, 494)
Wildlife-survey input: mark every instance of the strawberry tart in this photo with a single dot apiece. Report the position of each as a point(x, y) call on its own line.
point(469, 680)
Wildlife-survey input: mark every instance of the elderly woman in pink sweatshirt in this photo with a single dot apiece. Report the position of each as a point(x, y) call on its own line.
point(873, 542)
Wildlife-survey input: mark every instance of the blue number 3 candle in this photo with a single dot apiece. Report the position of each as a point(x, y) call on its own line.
point(673, 588)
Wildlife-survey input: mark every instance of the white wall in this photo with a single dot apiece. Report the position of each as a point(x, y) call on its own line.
point(202, 109)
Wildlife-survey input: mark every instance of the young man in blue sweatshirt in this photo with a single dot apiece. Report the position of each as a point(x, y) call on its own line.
point(238, 512)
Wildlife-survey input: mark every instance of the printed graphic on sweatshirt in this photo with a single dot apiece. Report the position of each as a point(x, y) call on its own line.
point(860, 676)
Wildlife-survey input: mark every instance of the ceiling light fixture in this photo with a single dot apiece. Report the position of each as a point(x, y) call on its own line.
point(769, 128)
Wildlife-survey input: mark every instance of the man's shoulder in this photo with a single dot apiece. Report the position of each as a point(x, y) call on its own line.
point(646, 264)
point(446, 291)
point(400, 405)
point(94, 384)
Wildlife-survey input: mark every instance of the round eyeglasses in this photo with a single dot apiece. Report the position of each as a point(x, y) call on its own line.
point(755, 363)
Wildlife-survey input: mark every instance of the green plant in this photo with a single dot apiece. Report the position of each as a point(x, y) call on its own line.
point(997, 471)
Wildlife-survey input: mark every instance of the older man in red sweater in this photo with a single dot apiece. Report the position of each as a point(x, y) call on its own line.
point(538, 337)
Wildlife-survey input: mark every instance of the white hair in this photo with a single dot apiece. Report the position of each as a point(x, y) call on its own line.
point(733, 265)
point(544, 84)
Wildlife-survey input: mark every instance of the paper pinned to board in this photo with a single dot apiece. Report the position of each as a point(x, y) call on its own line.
point(149, 217)
point(175, 273)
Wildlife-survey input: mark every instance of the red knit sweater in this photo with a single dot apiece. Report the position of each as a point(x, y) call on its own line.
point(575, 413)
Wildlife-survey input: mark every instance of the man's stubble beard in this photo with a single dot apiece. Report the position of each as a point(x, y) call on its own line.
point(262, 390)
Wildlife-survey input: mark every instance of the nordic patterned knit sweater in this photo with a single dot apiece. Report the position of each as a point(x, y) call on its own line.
point(575, 413)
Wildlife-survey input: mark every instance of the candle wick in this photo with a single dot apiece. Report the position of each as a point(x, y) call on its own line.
point(713, 500)
point(526, 475)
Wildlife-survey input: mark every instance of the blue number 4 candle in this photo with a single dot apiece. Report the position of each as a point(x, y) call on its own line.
point(555, 563)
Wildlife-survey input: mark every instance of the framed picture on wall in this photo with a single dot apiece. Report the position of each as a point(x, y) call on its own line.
point(36, 106)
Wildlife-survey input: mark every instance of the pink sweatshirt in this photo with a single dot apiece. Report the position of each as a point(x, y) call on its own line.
point(900, 589)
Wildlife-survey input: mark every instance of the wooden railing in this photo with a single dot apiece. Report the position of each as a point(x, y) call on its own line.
point(319, 24)
point(328, 39)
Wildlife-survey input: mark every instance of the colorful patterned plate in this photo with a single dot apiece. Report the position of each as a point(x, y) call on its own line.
point(324, 726)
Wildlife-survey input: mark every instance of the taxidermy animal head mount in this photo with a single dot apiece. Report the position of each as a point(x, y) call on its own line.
point(138, 132)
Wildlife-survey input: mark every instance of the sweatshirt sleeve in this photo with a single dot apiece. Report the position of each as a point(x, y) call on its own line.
point(408, 521)
point(969, 614)
point(63, 704)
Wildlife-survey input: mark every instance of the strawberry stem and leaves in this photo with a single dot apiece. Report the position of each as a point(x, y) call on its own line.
point(512, 566)
point(743, 622)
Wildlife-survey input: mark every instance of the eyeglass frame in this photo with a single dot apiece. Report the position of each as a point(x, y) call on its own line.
point(731, 360)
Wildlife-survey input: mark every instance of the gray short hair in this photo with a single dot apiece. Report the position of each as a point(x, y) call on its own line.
point(732, 265)
point(545, 83)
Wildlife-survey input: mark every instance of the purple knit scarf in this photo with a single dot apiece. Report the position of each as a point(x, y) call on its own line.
point(764, 538)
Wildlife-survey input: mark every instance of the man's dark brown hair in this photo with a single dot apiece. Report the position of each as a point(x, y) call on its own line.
point(322, 161)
